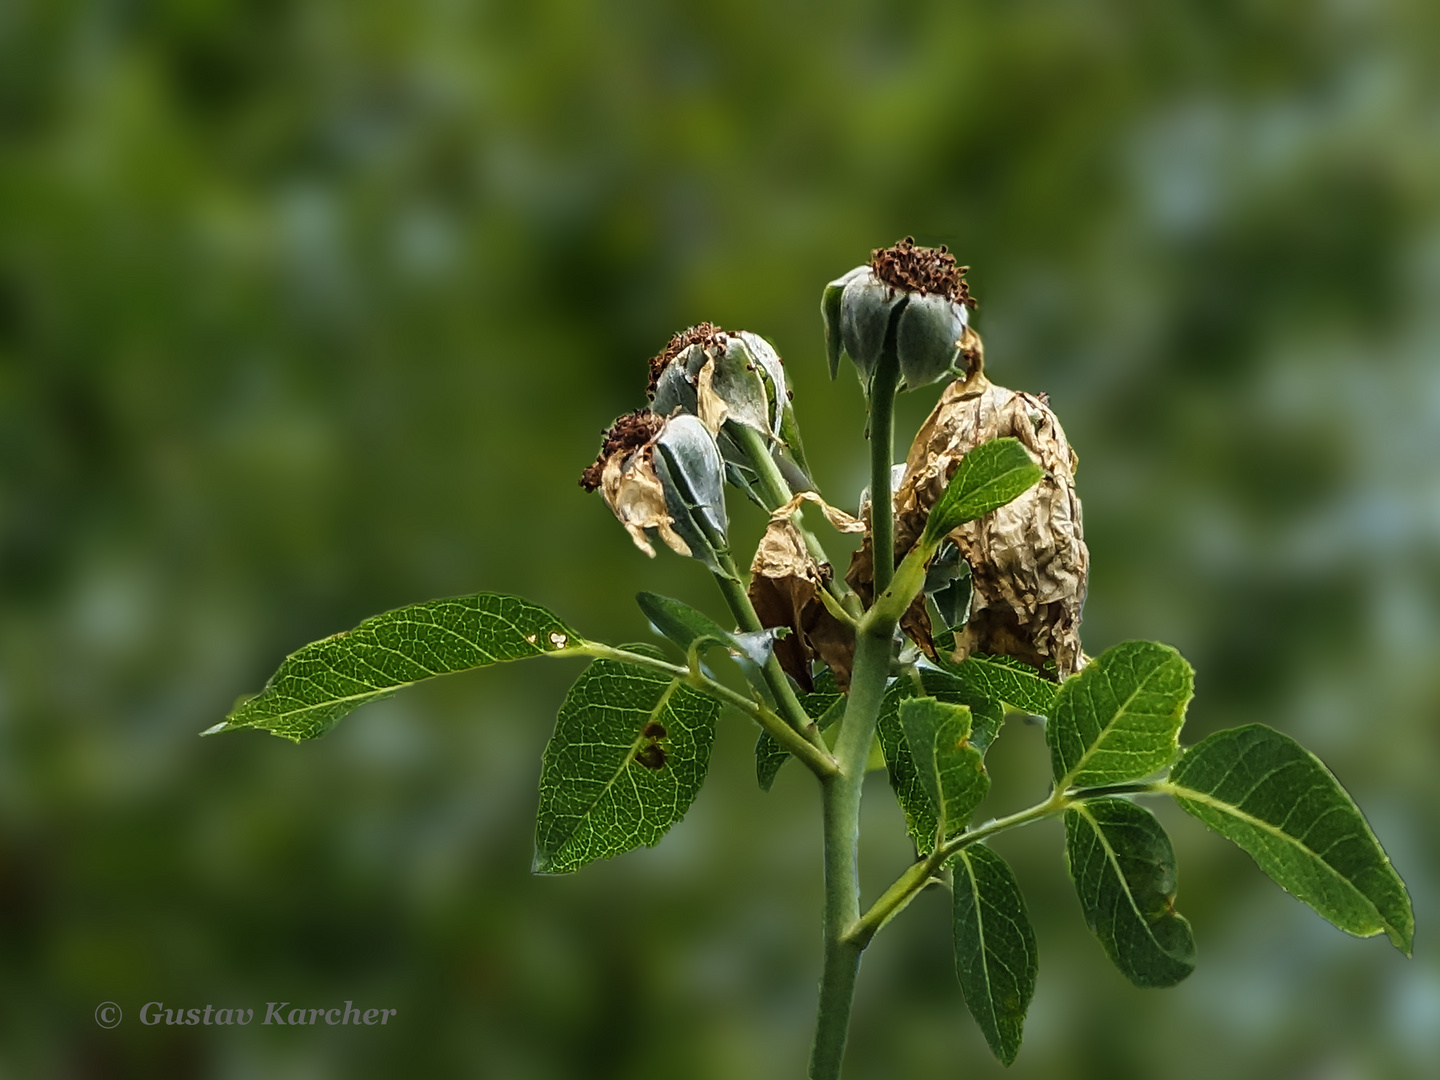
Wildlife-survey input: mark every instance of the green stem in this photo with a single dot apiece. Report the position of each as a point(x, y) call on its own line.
point(883, 387)
point(775, 678)
point(841, 792)
point(817, 759)
point(909, 884)
point(776, 492)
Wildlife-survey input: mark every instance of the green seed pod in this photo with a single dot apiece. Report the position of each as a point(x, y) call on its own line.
point(721, 375)
point(663, 475)
point(918, 294)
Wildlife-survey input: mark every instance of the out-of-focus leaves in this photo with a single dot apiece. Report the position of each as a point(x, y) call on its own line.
point(1277, 800)
point(319, 684)
point(630, 750)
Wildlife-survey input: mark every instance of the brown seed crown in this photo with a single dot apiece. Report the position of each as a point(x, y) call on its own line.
point(922, 270)
point(628, 433)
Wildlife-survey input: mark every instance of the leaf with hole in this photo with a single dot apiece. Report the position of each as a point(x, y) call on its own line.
point(629, 753)
point(1277, 801)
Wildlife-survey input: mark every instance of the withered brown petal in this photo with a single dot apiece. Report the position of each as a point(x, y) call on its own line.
point(785, 584)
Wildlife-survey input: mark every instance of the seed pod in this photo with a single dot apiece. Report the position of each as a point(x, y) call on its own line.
point(721, 375)
point(923, 292)
point(663, 474)
point(1028, 560)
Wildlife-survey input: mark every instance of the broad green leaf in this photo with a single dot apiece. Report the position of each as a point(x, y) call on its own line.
point(320, 683)
point(1124, 872)
point(950, 770)
point(1119, 717)
point(986, 716)
point(629, 753)
point(825, 705)
point(987, 477)
point(1014, 682)
point(1277, 800)
point(995, 954)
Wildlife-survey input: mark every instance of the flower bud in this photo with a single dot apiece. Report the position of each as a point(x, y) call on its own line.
point(917, 294)
point(721, 375)
point(666, 475)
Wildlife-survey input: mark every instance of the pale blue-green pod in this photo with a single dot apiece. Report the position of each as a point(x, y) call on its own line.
point(830, 306)
point(928, 339)
point(692, 475)
point(675, 388)
point(866, 306)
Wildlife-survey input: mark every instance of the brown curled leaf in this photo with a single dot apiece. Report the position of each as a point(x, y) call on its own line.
point(1028, 559)
point(785, 587)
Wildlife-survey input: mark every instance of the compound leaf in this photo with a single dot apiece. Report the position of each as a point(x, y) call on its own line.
point(1124, 872)
point(1119, 717)
point(630, 750)
point(995, 955)
point(951, 771)
point(988, 477)
point(1277, 801)
point(319, 684)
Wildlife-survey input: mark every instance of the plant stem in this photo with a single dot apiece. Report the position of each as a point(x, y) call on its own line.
point(882, 456)
point(776, 492)
point(841, 792)
point(817, 759)
point(775, 678)
point(909, 884)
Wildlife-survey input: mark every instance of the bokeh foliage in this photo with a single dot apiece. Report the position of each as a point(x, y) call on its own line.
point(308, 310)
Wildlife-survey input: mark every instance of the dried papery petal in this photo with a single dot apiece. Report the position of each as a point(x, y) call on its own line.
point(633, 491)
point(1028, 559)
point(785, 587)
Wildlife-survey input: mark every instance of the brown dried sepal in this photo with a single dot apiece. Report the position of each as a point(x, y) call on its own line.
point(625, 474)
point(1028, 560)
point(923, 270)
point(785, 587)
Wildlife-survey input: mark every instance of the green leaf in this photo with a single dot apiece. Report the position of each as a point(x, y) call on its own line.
point(629, 753)
point(681, 623)
point(1119, 717)
point(950, 770)
point(1277, 800)
point(986, 717)
point(987, 477)
point(1124, 872)
point(320, 683)
point(1013, 682)
point(825, 705)
point(995, 954)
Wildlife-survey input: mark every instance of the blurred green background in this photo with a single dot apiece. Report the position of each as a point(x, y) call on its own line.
point(308, 310)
